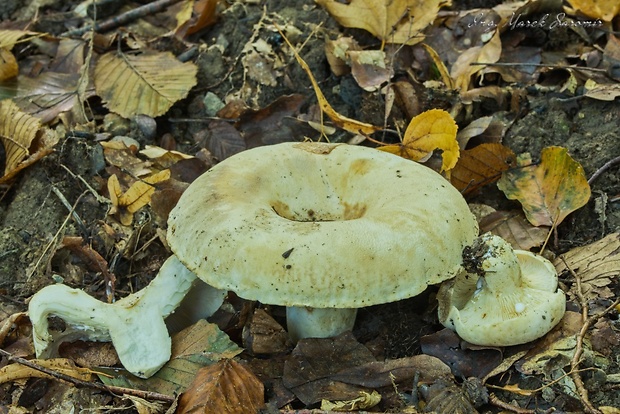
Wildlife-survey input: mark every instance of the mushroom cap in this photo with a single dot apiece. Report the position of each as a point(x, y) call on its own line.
point(515, 301)
point(321, 225)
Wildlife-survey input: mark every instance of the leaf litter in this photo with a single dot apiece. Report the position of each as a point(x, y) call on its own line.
point(410, 57)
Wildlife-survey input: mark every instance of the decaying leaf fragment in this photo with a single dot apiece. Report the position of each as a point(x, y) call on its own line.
point(550, 190)
point(136, 197)
point(147, 84)
point(224, 387)
point(363, 402)
point(431, 130)
point(392, 21)
point(15, 372)
point(596, 264)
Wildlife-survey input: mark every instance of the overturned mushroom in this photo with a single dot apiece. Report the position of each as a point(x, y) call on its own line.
point(134, 324)
point(503, 298)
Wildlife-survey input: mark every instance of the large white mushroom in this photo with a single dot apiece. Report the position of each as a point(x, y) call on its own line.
point(323, 229)
point(503, 297)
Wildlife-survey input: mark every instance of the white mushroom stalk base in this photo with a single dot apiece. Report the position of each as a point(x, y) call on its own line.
point(512, 297)
point(304, 322)
point(134, 324)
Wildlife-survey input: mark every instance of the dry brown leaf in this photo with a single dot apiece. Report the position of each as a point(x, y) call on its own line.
point(550, 190)
point(200, 14)
point(463, 70)
point(602, 92)
point(342, 121)
point(15, 372)
point(336, 54)
point(149, 83)
point(369, 69)
point(597, 9)
point(392, 21)
point(363, 402)
point(431, 130)
point(513, 227)
point(596, 264)
point(17, 131)
point(224, 387)
point(480, 166)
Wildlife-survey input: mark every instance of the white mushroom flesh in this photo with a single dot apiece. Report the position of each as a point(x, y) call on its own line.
point(515, 301)
point(134, 324)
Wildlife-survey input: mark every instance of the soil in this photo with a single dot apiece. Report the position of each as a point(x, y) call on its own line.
point(35, 210)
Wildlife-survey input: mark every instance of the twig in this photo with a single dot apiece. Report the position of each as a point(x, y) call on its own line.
point(587, 323)
point(604, 168)
point(537, 65)
point(79, 383)
point(501, 404)
point(134, 14)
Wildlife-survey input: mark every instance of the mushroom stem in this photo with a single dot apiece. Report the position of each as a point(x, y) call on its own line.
point(134, 324)
point(306, 322)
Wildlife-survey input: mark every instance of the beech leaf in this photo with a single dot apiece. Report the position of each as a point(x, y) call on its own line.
point(480, 166)
point(147, 84)
point(548, 191)
point(431, 130)
point(392, 21)
point(224, 387)
point(17, 131)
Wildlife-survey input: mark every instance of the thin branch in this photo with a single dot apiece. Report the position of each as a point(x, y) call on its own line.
point(147, 395)
point(604, 168)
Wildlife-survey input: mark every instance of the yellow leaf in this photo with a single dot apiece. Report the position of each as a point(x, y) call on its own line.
point(17, 131)
point(431, 130)
point(137, 196)
point(8, 65)
point(598, 9)
point(147, 84)
point(392, 21)
point(342, 121)
point(550, 190)
point(441, 67)
point(64, 366)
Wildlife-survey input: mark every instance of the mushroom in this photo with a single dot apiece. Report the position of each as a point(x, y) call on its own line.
point(322, 229)
point(134, 324)
point(504, 297)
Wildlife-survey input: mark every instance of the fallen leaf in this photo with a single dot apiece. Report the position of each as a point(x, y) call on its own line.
point(441, 67)
point(363, 402)
point(17, 131)
point(597, 9)
point(136, 197)
point(368, 68)
point(596, 264)
point(602, 92)
point(513, 227)
point(431, 130)
point(149, 83)
point(8, 65)
point(224, 387)
point(480, 166)
point(549, 191)
point(336, 54)
point(462, 70)
point(392, 21)
point(263, 335)
point(348, 124)
point(202, 13)
point(197, 346)
point(446, 346)
point(15, 372)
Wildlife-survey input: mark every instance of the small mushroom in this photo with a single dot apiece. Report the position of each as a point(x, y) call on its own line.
point(504, 297)
point(322, 229)
point(134, 324)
